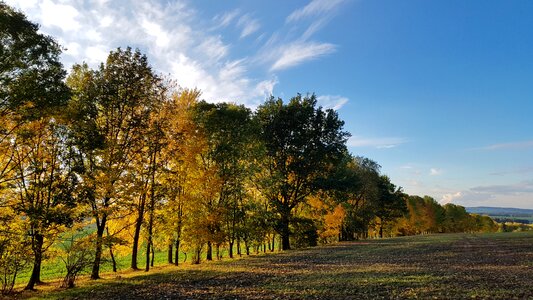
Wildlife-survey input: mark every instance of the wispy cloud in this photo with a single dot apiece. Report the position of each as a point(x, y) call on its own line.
point(226, 18)
point(333, 102)
point(522, 187)
point(315, 7)
point(248, 24)
point(298, 53)
point(193, 53)
point(509, 146)
point(292, 45)
point(379, 143)
point(517, 171)
point(508, 195)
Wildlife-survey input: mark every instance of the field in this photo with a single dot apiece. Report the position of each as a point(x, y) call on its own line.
point(453, 266)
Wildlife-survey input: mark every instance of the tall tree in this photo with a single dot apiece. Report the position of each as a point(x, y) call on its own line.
point(31, 80)
point(31, 137)
point(45, 184)
point(181, 173)
point(390, 204)
point(114, 104)
point(229, 132)
point(300, 141)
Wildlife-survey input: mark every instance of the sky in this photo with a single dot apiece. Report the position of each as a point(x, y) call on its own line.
point(439, 93)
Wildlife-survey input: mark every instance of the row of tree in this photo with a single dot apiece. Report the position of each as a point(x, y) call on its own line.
point(117, 160)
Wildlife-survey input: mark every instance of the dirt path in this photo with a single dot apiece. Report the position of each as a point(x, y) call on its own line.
point(427, 267)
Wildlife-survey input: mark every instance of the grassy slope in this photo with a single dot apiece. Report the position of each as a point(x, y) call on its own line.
point(494, 266)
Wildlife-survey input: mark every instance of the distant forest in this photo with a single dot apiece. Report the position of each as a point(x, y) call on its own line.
point(118, 160)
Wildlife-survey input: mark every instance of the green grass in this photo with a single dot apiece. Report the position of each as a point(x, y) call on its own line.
point(450, 266)
point(53, 268)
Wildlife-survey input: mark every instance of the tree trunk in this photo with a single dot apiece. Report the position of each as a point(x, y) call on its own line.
point(197, 253)
point(148, 252)
point(95, 274)
point(273, 242)
point(209, 255)
point(37, 246)
point(176, 262)
point(113, 261)
point(153, 256)
point(239, 252)
point(151, 209)
point(230, 252)
point(136, 235)
point(380, 228)
point(285, 232)
point(169, 253)
point(247, 247)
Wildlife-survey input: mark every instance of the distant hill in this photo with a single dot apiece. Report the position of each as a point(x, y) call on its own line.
point(499, 211)
point(504, 214)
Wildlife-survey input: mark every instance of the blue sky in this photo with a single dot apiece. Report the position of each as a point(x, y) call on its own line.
point(440, 93)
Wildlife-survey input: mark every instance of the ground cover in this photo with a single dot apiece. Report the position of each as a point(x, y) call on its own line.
point(451, 266)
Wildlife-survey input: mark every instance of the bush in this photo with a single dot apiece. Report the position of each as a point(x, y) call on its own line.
point(305, 233)
point(77, 254)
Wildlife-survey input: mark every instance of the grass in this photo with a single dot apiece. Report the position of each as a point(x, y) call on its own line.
point(451, 266)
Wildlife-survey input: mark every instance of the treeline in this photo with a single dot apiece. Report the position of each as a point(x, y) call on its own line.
point(116, 160)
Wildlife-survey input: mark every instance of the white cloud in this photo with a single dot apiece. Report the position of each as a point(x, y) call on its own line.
point(380, 143)
point(314, 8)
point(510, 195)
point(96, 54)
point(60, 15)
point(449, 198)
point(153, 29)
point(298, 53)
point(22, 4)
point(249, 25)
point(226, 18)
point(194, 53)
point(333, 102)
point(72, 49)
point(93, 35)
point(105, 21)
point(435, 171)
point(213, 49)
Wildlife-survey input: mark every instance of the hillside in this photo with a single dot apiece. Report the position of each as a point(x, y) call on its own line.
point(504, 214)
point(499, 211)
point(446, 266)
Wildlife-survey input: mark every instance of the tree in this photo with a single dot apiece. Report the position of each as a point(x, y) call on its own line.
point(300, 142)
point(113, 105)
point(229, 133)
point(182, 175)
point(32, 138)
point(390, 203)
point(45, 185)
point(354, 185)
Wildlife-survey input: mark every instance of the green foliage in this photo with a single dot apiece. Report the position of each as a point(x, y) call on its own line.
point(301, 141)
point(304, 232)
point(31, 76)
point(76, 252)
